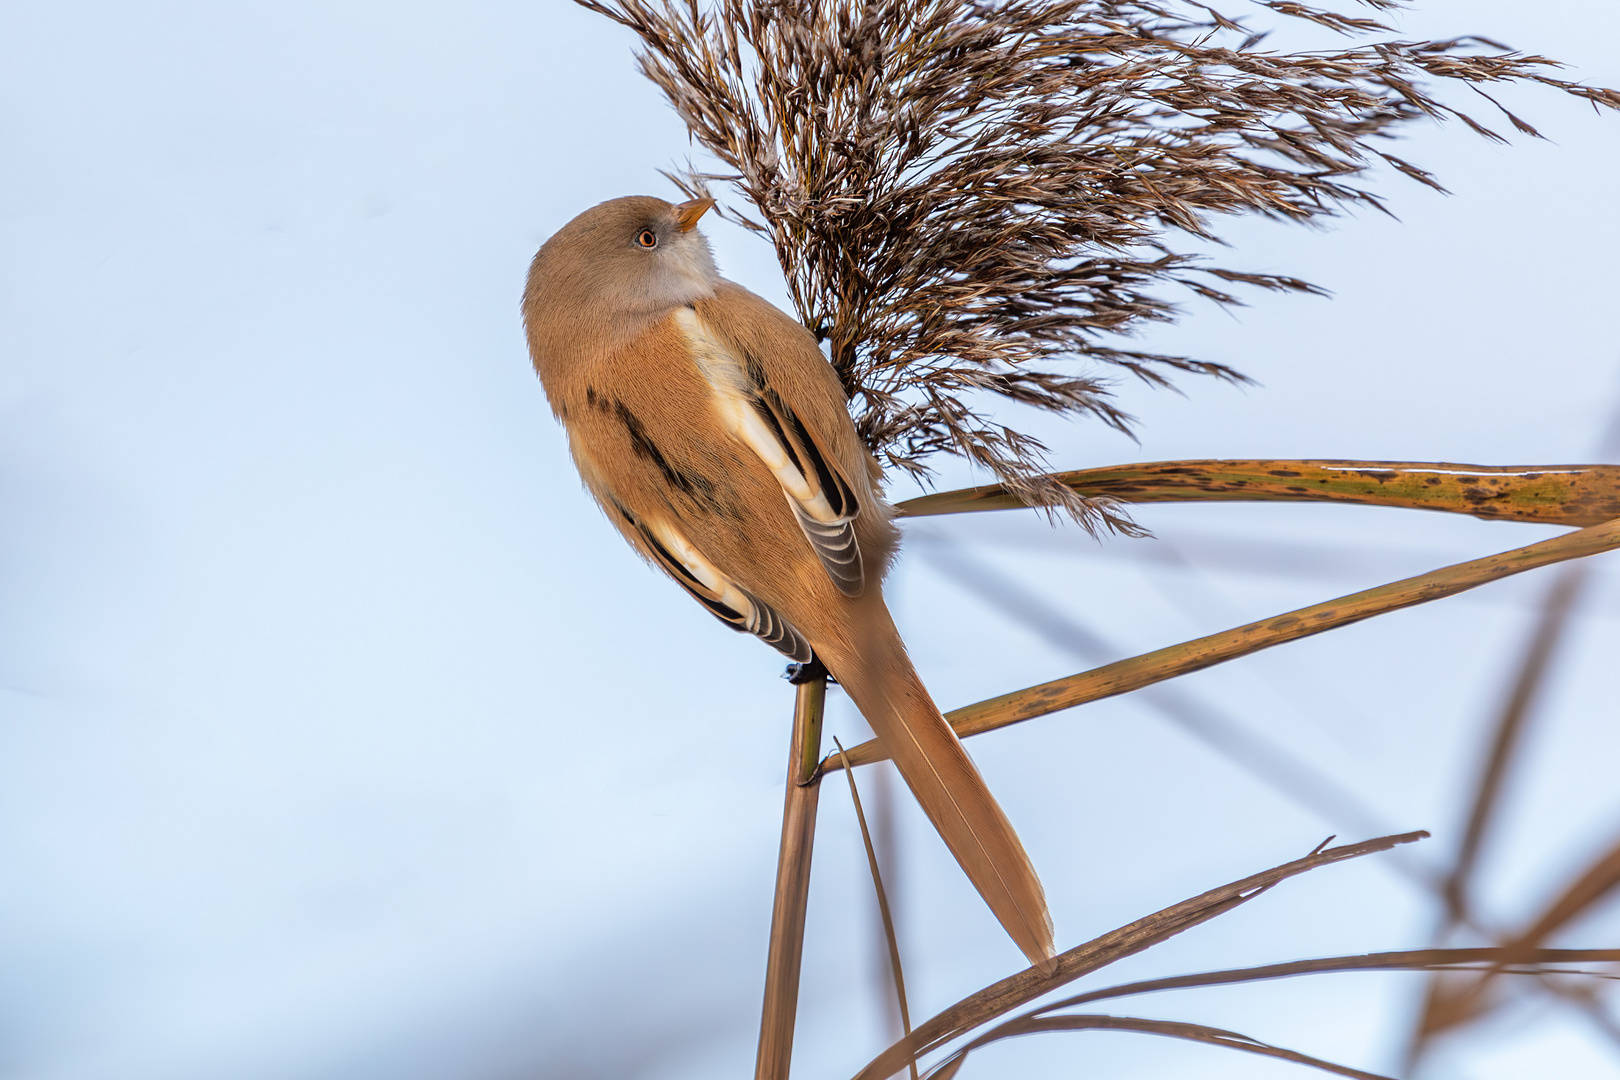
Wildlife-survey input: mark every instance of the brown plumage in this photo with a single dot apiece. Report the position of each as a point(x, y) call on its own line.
point(715, 435)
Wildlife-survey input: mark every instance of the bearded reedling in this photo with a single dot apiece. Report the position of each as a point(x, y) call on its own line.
point(715, 436)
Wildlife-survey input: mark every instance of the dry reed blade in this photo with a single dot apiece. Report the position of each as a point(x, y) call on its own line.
point(1546, 494)
point(879, 804)
point(977, 203)
point(1450, 1007)
point(1167, 663)
point(1176, 1029)
point(786, 955)
point(889, 936)
point(1507, 737)
point(1020, 989)
point(1527, 962)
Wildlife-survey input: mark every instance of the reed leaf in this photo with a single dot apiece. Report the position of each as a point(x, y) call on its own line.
point(1522, 962)
point(890, 939)
point(1126, 675)
point(1175, 1029)
point(1002, 997)
point(1545, 494)
point(1486, 958)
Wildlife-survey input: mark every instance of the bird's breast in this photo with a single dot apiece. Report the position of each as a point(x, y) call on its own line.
point(721, 369)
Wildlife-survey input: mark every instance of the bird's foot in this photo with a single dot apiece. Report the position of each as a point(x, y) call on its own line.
point(798, 674)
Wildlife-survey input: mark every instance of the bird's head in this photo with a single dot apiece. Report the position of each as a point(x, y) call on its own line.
point(621, 263)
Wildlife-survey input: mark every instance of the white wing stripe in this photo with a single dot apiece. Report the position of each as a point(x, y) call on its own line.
point(736, 403)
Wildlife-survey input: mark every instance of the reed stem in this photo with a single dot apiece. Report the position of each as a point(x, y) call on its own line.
point(1124, 676)
point(786, 955)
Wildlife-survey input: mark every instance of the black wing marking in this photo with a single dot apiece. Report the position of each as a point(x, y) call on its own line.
point(761, 620)
point(831, 537)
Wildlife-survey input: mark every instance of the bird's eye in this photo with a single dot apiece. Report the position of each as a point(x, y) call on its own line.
point(647, 238)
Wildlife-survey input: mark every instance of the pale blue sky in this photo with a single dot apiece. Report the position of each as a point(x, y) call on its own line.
point(324, 752)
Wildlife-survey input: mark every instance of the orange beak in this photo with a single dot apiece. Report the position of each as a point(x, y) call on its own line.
point(687, 213)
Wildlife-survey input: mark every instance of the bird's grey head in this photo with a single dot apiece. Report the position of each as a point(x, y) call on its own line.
point(623, 262)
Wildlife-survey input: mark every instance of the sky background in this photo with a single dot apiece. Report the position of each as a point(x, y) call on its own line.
point(323, 752)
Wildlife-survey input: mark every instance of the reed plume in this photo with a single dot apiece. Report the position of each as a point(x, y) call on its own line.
point(980, 203)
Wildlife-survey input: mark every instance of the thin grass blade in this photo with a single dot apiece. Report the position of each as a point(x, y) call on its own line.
point(889, 935)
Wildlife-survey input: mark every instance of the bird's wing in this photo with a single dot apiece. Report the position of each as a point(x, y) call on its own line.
point(756, 413)
point(820, 496)
point(729, 602)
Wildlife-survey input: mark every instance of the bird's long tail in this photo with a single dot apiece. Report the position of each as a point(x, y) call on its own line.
point(877, 674)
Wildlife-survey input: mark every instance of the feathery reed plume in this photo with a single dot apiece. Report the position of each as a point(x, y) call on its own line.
point(967, 198)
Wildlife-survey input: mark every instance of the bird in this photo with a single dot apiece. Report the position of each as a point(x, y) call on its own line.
point(717, 439)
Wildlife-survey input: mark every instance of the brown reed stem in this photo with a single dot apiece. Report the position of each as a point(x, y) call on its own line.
point(782, 965)
point(1547, 494)
point(1167, 663)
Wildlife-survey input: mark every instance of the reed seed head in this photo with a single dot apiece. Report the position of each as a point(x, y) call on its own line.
point(976, 203)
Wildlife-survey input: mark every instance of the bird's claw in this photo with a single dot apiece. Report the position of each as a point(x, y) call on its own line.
point(799, 674)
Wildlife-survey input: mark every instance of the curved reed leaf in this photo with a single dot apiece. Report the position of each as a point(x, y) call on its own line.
point(1486, 958)
point(1497, 960)
point(896, 969)
point(1126, 675)
point(1546, 494)
point(1174, 1029)
point(1020, 989)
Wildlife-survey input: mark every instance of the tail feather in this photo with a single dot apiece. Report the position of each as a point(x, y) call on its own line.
point(879, 678)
